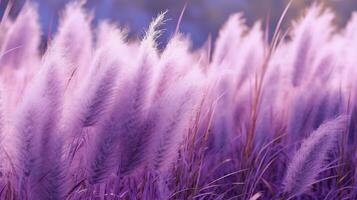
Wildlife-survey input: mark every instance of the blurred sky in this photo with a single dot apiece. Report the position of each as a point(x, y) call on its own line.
point(201, 18)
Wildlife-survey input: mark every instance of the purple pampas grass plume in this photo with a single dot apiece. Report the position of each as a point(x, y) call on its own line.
point(307, 162)
point(222, 121)
point(27, 127)
point(308, 34)
point(102, 155)
point(173, 113)
point(101, 98)
point(74, 40)
point(50, 177)
point(98, 89)
point(20, 48)
point(229, 40)
point(101, 87)
point(39, 158)
point(252, 57)
point(137, 128)
point(109, 35)
point(96, 93)
point(171, 65)
point(123, 135)
point(95, 98)
point(19, 55)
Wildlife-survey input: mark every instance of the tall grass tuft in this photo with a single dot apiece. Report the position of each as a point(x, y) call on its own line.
point(308, 161)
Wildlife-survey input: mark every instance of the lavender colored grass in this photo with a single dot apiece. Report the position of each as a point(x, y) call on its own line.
point(96, 115)
point(308, 160)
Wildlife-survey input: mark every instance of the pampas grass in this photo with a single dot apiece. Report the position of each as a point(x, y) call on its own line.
point(308, 160)
point(37, 130)
point(21, 47)
point(99, 116)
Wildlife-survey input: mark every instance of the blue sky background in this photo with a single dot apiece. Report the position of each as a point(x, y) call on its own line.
point(202, 17)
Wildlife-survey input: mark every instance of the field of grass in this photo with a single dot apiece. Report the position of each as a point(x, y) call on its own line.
point(96, 115)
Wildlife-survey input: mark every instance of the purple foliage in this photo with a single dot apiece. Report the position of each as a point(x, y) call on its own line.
point(307, 162)
point(98, 116)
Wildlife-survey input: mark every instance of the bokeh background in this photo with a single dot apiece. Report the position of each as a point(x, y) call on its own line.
point(202, 18)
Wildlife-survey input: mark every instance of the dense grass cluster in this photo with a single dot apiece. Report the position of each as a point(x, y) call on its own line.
point(98, 116)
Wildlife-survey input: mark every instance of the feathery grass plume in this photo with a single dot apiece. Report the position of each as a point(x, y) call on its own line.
point(51, 176)
point(228, 41)
point(27, 127)
point(109, 35)
point(347, 58)
point(248, 67)
point(171, 65)
point(308, 161)
point(308, 34)
point(235, 82)
point(137, 130)
point(175, 109)
point(349, 33)
point(96, 93)
point(39, 160)
point(124, 134)
point(19, 55)
point(101, 98)
point(227, 46)
point(94, 100)
point(111, 42)
point(20, 48)
point(74, 39)
point(99, 88)
point(268, 111)
point(103, 155)
point(223, 121)
point(252, 58)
